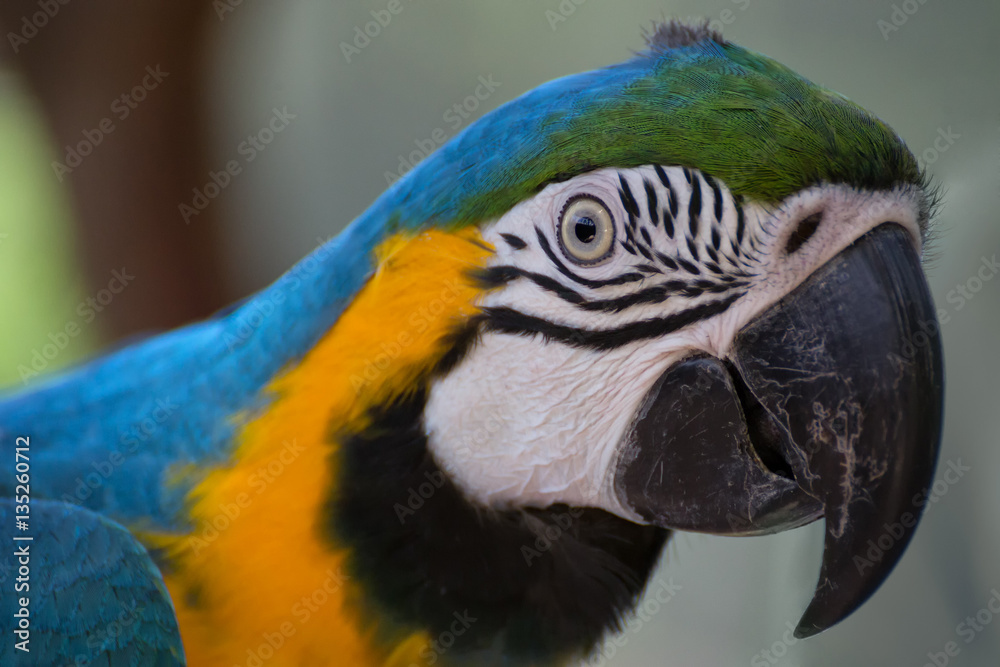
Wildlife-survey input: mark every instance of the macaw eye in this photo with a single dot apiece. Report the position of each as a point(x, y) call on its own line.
point(586, 230)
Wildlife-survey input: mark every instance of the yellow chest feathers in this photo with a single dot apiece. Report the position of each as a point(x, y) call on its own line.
point(258, 581)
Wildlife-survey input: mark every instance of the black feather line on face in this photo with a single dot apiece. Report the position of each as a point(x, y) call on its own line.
point(694, 206)
point(693, 249)
point(689, 267)
point(628, 199)
point(580, 280)
point(646, 237)
point(514, 241)
point(510, 321)
point(712, 254)
point(661, 173)
point(497, 276)
point(652, 205)
point(645, 251)
point(423, 555)
point(672, 196)
point(716, 196)
point(668, 223)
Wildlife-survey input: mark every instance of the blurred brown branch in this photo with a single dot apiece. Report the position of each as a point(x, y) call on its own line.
point(122, 81)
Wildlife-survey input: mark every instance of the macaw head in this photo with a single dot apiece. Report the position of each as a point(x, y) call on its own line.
point(696, 304)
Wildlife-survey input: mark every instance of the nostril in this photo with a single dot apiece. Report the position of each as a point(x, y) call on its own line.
point(807, 227)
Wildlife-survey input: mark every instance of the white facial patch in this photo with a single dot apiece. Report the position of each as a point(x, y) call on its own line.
point(537, 411)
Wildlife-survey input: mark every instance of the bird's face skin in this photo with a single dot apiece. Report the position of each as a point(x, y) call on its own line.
point(610, 362)
point(552, 412)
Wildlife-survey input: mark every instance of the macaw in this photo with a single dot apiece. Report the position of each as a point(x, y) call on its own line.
point(683, 292)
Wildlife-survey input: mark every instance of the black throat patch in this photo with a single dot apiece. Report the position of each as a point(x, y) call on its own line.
point(529, 585)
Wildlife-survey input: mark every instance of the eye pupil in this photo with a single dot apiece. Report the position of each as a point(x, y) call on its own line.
point(586, 229)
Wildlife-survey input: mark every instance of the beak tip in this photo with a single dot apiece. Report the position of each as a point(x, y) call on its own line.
point(815, 619)
point(826, 611)
point(805, 631)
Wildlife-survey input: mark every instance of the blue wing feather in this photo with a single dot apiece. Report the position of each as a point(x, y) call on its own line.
point(95, 596)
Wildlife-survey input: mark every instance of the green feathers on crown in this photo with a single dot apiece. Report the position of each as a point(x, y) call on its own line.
point(692, 99)
point(763, 128)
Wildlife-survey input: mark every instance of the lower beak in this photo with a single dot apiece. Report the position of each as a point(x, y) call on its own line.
point(829, 404)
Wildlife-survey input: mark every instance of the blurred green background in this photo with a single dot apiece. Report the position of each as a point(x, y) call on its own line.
point(927, 68)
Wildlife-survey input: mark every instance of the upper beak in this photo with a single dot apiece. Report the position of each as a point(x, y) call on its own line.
point(829, 403)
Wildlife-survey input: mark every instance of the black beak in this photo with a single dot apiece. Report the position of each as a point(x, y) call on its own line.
point(830, 403)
